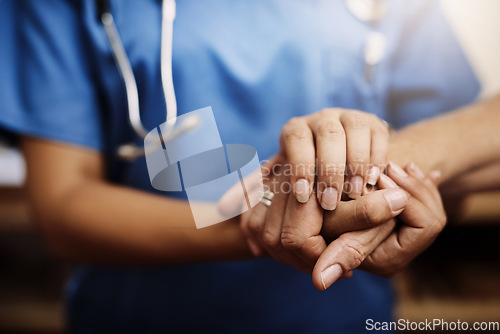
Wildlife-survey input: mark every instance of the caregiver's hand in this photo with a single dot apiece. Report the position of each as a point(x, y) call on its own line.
point(384, 250)
point(335, 137)
point(291, 232)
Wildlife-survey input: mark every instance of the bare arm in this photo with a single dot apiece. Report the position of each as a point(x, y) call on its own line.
point(457, 143)
point(86, 219)
point(485, 178)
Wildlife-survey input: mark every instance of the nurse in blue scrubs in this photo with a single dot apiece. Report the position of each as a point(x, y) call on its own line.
point(258, 64)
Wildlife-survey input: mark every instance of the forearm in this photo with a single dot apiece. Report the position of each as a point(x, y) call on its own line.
point(85, 219)
point(486, 178)
point(102, 223)
point(455, 143)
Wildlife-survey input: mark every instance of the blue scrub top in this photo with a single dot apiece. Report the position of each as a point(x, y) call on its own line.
point(257, 63)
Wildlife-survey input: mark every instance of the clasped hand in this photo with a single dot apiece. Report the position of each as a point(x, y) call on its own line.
point(333, 210)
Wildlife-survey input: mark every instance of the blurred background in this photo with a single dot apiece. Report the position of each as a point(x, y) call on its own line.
point(458, 278)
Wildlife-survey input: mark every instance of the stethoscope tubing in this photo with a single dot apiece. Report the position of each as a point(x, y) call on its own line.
point(131, 151)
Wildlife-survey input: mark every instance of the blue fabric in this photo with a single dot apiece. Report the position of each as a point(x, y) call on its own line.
point(257, 63)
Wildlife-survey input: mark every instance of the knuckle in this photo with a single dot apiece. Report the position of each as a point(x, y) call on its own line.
point(374, 118)
point(329, 129)
point(290, 240)
point(295, 121)
point(294, 132)
point(355, 250)
point(356, 119)
point(439, 225)
point(329, 112)
point(442, 220)
point(368, 213)
point(381, 130)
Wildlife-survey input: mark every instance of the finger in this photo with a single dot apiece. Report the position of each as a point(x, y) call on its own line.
point(419, 230)
point(385, 182)
point(421, 227)
point(358, 140)
point(367, 211)
point(346, 254)
point(331, 155)
point(435, 177)
point(414, 186)
point(298, 147)
point(413, 169)
point(379, 149)
point(252, 227)
point(438, 201)
point(348, 274)
point(271, 233)
point(301, 229)
point(432, 181)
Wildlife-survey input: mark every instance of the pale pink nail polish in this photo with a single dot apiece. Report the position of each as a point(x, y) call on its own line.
point(302, 190)
point(330, 275)
point(329, 198)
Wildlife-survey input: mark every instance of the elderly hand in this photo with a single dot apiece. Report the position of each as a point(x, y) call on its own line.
point(291, 231)
point(336, 138)
point(384, 250)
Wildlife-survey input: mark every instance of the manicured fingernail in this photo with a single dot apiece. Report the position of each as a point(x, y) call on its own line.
point(330, 275)
point(356, 186)
point(387, 182)
point(302, 190)
point(396, 199)
point(329, 198)
point(414, 168)
point(398, 170)
point(373, 174)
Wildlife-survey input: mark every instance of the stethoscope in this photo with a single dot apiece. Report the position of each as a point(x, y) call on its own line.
point(131, 151)
point(369, 11)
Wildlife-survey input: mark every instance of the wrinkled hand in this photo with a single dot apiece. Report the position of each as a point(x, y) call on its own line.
point(384, 250)
point(336, 138)
point(291, 232)
point(290, 229)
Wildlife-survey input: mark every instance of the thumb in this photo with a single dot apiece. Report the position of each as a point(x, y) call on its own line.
point(364, 212)
point(347, 253)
